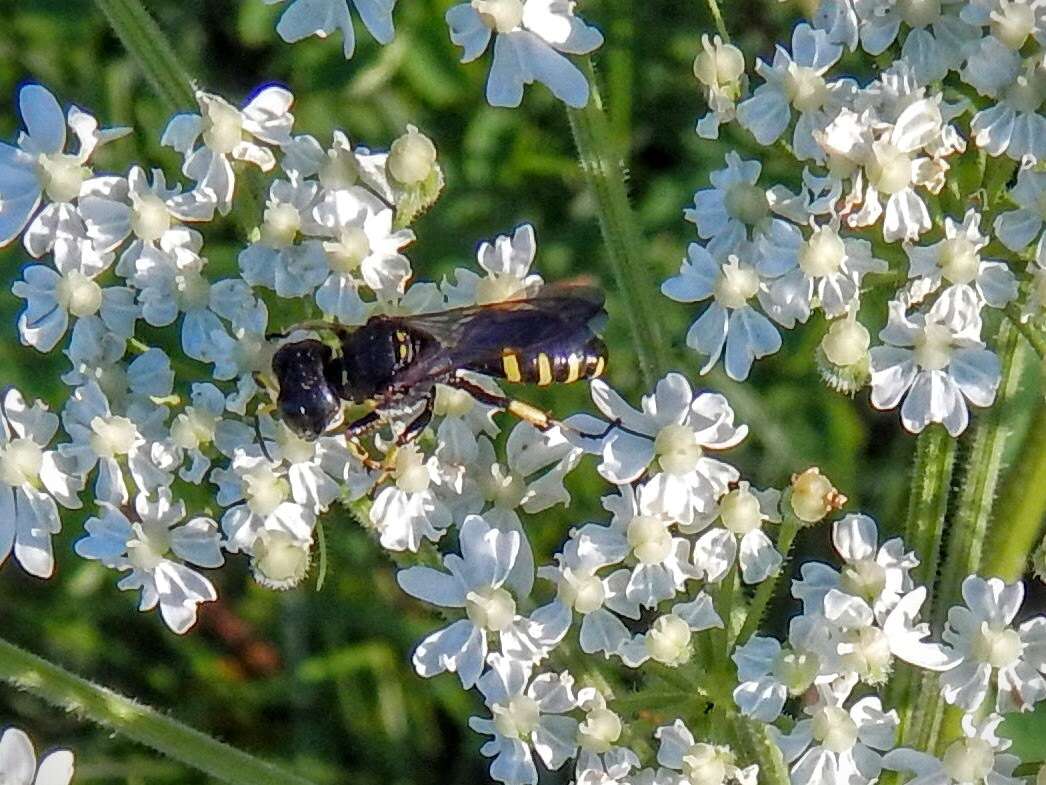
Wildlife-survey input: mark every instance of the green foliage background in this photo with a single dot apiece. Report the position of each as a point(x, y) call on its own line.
point(322, 679)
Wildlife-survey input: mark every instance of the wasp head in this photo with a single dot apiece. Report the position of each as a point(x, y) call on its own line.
point(307, 402)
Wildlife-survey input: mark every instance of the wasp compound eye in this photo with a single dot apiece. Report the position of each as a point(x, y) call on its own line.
point(306, 401)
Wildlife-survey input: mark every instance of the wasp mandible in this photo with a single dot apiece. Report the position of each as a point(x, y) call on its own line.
point(393, 363)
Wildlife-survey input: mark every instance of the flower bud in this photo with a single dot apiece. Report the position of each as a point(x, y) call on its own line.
point(411, 157)
point(842, 356)
point(813, 496)
point(719, 66)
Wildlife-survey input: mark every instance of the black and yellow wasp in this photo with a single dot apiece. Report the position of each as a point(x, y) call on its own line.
point(393, 363)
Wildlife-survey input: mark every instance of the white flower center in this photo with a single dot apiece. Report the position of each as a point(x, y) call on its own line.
point(294, 448)
point(812, 495)
point(890, 169)
point(933, 347)
point(194, 291)
point(502, 16)
point(864, 578)
point(412, 156)
point(193, 428)
point(584, 593)
point(846, 342)
point(339, 170)
point(805, 88)
point(833, 727)
point(719, 65)
point(823, 254)
point(1012, 23)
point(650, 539)
point(747, 203)
point(452, 402)
point(280, 561)
point(20, 462)
point(668, 640)
point(151, 543)
point(516, 719)
point(740, 511)
point(61, 176)
point(490, 608)
point(348, 252)
point(919, 13)
point(998, 648)
point(796, 670)
point(78, 294)
point(599, 730)
point(264, 491)
point(505, 489)
point(677, 449)
point(281, 226)
point(735, 285)
point(222, 127)
point(871, 656)
point(411, 473)
point(707, 764)
point(959, 260)
point(150, 218)
point(968, 760)
point(496, 288)
point(112, 436)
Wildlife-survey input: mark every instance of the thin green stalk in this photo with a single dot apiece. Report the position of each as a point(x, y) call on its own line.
point(59, 687)
point(1022, 506)
point(605, 173)
point(790, 527)
point(973, 509)
point(1031, 333)
point(757, 746)
point(717, 17)
point(144, 40)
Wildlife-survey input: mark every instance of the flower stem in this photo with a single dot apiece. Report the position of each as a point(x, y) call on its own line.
point(1031, 333)
point(717, 17)
point(790, 527)
point(980, 479)
point(605, 173)
point(57, 686)
point(144, 40)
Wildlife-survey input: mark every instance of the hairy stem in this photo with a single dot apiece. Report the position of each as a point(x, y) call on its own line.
point(605, 173)
point(144, 40)
point(717, 17)
point(59, 687)
point(790, 527)
point(1031, 333)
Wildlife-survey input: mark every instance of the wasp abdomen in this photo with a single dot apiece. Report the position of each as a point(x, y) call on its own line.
point(552, 367)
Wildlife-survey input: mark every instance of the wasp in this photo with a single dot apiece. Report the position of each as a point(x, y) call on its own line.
point(393, 363)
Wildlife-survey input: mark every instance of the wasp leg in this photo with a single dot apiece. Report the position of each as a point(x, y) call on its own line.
point(418, 424)
point(354, 431)
point(531, 414)
point(260, 436)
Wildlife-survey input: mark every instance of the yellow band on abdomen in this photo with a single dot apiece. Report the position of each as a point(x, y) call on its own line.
point(510, 364)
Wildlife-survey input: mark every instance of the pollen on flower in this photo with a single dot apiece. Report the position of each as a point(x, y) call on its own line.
point(582, 592)
point(78, 294)
point(833, 727)
point(890, 168)
point(668, 640)
point(868, 654)
point(796, 670)
point(20, 462)
point(806, 89)
point(823, 254)
point(282, 222)
point(677, 449)
point(193, 428)
point(958, 259)
point(864, 578)
point(998, 648)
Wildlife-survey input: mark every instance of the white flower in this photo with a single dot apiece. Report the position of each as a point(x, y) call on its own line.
point(797, 82)
point(39, 166)
point(838, 745)
point(53, 296)
point(742, 512)
point(525, 719)
point(990, 647)
point(938, 359)
point(824, 269)
point(476, 581)
point(229, 133)
point(194, 429)
point(668, 640)
point(720, 68)
point(730, 320)
point(410, 511)
point(530, 38)
point(18, 762)
point(611, 768)
point(1009, 22)
point(155, 547)
point(320, 18)
point(699, 762)
point(1017, 229)
point(957, 260)
point(506, 263)
point(979, 756)
point(32, 479)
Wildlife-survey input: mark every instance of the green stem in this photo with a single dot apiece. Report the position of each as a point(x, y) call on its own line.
point(717, 17)
point(605, 173)
point(59, 687)
point(790, 527)
point(1031, 333)
point(980, 479)
point(757, 746)
point(144, 40)
point(1023, 497)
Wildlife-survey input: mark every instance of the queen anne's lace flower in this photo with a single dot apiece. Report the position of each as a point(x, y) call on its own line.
point(303, 18)
point(720, 68)
point(506, 262)
point(700, 762)
point(979, 756)
point(740, 539)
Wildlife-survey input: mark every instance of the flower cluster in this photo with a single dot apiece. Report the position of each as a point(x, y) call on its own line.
point(877, 160)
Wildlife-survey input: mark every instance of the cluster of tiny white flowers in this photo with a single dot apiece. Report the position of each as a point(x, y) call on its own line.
point(532, 39)
point(877, 160)
point(650, 586)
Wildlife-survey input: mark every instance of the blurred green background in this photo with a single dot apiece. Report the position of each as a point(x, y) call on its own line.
point(322, 680)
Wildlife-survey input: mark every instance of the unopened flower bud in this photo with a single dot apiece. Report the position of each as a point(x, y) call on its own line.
point(813, 496)
point(411, 157)
point(843, 357)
